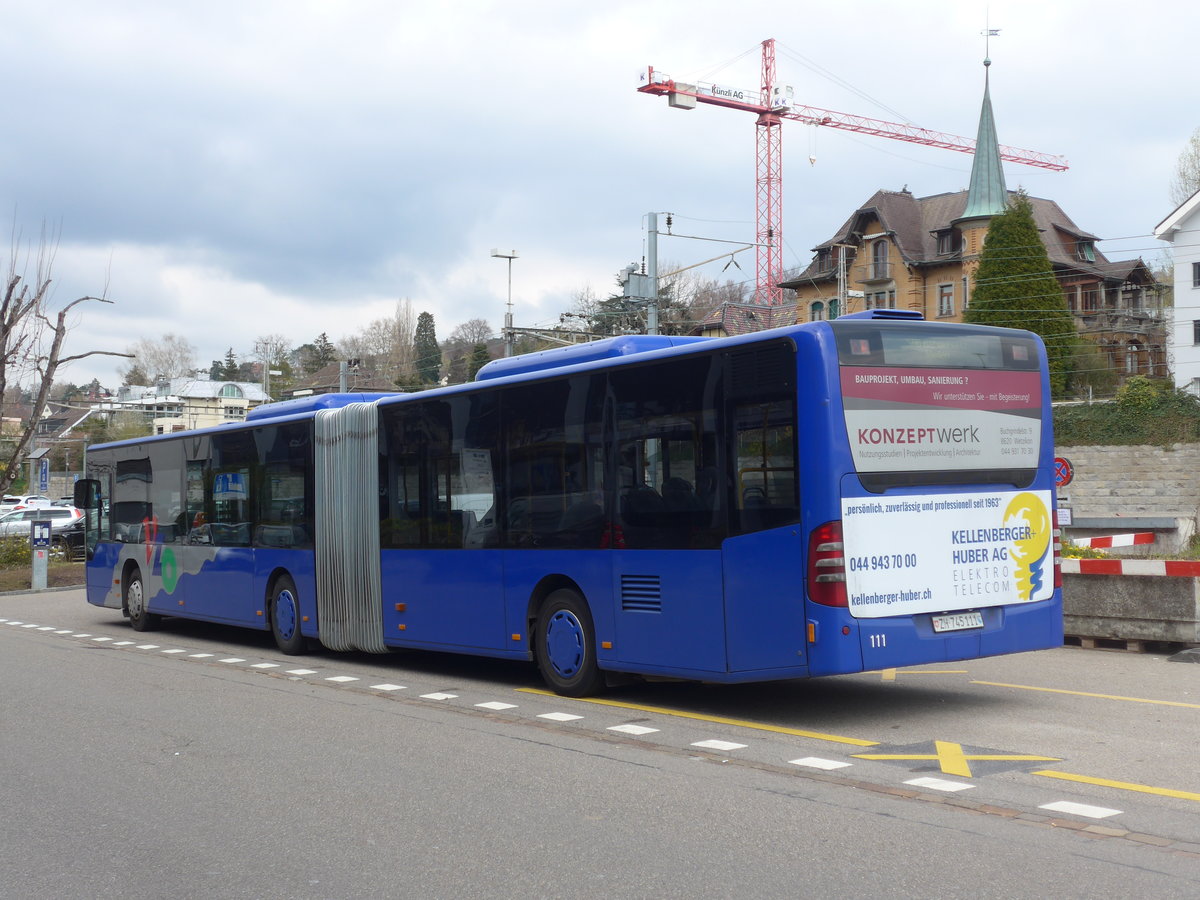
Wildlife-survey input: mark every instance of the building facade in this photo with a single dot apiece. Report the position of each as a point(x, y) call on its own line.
point(1181, 229)
point(903, 252)
point(180, 404)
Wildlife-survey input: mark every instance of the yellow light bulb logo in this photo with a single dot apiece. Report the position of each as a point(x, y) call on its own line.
point(1027, 509)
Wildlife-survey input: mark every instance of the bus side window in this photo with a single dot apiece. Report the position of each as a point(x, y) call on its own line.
point(765, 443)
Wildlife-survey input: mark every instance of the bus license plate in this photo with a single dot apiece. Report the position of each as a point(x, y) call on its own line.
point(958, 621)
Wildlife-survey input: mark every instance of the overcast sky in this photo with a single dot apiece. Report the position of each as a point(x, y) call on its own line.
point(235, 169)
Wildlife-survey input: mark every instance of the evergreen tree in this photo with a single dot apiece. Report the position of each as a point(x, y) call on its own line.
point(479, 358)
point(425, 348)
point(1015, 287)
point(229, 369)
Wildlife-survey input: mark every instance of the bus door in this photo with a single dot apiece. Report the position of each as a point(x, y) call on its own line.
point(441, 563)
point(764, 556)
point(669, 609)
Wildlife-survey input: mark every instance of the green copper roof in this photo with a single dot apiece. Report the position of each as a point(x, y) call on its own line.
point(987, 195)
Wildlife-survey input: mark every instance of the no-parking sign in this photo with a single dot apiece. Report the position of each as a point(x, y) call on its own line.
point(1063, 472)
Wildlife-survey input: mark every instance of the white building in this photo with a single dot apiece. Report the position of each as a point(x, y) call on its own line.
point(177, 404)
point(1182, 229)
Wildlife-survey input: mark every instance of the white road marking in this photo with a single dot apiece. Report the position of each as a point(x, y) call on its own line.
point(559, 717)
point(496, 705)
point(302, 671)
point(439, 696)
point(633, 729)
point(147, 646)
point(719, 745)
point(815, 762)
point(265, 666)
point(231, 659)
point(1081, 809)
point(388, 687)
point(939, 784)
point(342, 679)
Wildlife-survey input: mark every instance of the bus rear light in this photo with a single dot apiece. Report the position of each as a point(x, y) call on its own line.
point(827, 565)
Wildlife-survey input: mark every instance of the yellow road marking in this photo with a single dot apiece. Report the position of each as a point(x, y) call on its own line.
point(952, 760)
point(719, 720)
point(890, 674)
point(1027, 687)
point(1121, 785)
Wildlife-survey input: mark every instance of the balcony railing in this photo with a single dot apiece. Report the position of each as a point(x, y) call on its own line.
point(876, 271)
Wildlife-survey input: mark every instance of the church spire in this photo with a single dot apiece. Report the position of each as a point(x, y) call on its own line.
point(987, 195)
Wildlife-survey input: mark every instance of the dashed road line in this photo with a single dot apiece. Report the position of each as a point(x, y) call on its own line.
point(951, 757)
point(1080, 809)
point(716, 720)
point(816, 762)
point(939, 784)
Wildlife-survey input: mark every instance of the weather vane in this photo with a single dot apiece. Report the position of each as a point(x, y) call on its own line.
point(988, 33)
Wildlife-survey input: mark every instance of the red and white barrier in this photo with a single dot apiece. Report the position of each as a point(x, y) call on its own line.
point(1115, 540)
point(1182, 568)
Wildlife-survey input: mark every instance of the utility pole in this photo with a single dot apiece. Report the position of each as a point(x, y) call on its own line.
point(644, 285)
point(510, 337)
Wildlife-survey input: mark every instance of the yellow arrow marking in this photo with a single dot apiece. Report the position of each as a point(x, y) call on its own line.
point(953, 761)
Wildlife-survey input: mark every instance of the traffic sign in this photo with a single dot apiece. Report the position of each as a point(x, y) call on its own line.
point(1063, 472)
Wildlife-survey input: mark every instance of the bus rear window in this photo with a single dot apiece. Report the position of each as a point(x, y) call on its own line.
point(927, 404)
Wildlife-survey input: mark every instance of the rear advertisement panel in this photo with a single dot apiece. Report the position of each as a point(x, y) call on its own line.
point(920, 419)
point(929, 553)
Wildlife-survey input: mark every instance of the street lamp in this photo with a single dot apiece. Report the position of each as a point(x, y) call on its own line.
point(508, 323)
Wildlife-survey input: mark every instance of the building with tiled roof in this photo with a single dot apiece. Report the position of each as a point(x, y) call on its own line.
point(328, 380)
point(902, 251)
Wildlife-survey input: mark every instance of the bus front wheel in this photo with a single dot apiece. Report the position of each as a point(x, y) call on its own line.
point(140, 619)
point(566, 645)
point(285, 617)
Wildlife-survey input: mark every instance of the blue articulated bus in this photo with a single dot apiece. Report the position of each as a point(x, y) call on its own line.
point(833, 497)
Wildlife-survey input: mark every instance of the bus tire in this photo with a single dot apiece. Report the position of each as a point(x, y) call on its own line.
point(285, 617)
point(134, 591)
point(565, 646)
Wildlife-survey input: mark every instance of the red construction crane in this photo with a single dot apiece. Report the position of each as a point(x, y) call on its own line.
point(772, 105)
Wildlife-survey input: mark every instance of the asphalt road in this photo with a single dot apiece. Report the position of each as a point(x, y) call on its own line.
point(197, 761)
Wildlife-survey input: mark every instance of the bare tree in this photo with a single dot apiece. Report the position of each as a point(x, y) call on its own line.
point(170, 356)
point(1186, 180)
point(385, 345)
point(31, 342)
point(472, 332)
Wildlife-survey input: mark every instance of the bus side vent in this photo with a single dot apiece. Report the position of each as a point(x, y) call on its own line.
point(641, 593)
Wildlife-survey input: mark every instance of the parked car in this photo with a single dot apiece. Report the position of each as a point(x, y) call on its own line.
point(61, 519)
point(12, 503)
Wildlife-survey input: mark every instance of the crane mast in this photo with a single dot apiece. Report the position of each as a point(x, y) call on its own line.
point(772, 105)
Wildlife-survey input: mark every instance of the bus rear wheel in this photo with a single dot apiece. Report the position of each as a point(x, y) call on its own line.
point(566, 645)
point(285, 617)
point(140, 619)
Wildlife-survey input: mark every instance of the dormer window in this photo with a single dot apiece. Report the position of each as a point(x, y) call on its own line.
point(232, 390)
point(1086, 250)
point(948, 242)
